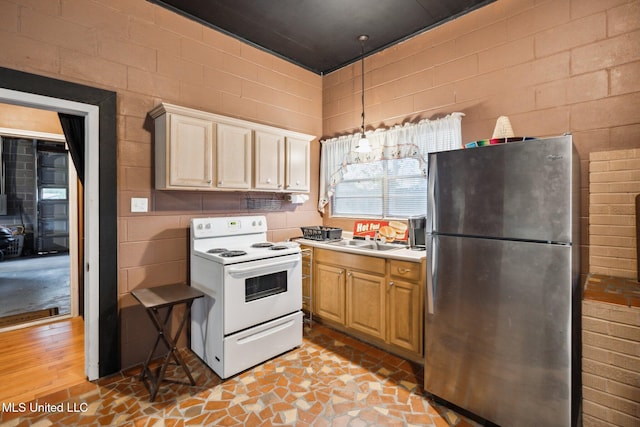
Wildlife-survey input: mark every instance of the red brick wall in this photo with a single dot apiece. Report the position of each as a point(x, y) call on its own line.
point(610, 364)
point(551, 66)
point(614, 182)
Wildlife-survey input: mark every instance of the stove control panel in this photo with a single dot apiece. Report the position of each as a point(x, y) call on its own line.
point(227, 226)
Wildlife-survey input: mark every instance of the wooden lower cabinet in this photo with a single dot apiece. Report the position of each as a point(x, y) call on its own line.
point(366, 303)
point(405, 316)
point(329, 293)
point(406, 304)
point(376, 299)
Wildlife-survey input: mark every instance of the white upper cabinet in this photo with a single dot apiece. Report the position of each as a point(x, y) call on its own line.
point(196, 150)
point(297, 161)
point(269, 161)
point(184, 148)
point(233, 156)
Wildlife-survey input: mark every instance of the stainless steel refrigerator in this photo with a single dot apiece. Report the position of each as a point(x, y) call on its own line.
point(502, 335)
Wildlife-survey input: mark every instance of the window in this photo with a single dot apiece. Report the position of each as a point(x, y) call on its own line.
point(53, 193)
point(390, 181)
point(393, 188)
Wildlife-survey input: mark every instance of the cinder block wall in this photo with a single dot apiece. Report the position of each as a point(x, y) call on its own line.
point(610, 364)
point(614, 182)
point(147, 55)
point(20, 185)
point(552, 66)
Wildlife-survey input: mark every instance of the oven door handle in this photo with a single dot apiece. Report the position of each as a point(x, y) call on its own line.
point(272, 267)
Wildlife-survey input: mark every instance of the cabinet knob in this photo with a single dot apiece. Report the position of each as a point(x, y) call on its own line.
point(349, 274)
point(219, 182)
point(390, 283)
point(209, 182)
point(268, 180)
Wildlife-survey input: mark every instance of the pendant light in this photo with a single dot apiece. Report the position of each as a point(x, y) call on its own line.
point(363, 145)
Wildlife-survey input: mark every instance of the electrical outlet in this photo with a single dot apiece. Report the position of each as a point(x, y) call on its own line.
point(139, 204)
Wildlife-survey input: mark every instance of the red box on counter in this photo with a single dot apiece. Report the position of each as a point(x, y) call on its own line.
point(390, 230)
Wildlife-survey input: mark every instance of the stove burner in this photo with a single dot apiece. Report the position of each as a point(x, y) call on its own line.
point(217, 250)
point(262, 245)
point(229, 254)
point(278, 247)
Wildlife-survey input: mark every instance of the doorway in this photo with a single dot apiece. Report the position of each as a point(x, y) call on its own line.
point(39, 272)
point(98, 107)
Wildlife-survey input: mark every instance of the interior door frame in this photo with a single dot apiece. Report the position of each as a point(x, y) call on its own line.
point(98, 107)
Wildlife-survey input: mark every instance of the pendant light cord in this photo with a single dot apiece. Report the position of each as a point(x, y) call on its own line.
point(363, 38)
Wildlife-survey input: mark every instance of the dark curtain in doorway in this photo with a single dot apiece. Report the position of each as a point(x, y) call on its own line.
point(73, 128)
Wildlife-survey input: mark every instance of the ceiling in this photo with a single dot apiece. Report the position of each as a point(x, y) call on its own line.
point(321, 35)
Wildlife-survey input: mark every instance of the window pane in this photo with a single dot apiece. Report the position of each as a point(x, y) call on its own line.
point(362, 207)
point(383, 189)
point(361, 197)
point(53, 193)
point(360, 188)
point(407, 197)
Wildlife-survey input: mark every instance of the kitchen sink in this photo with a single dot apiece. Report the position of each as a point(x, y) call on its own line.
point(356, 243)
point(369, 245)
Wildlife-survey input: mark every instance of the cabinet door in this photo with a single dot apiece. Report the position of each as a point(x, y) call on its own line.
point(233, 151)
point(405, 315)
point(190, 152)
point(329, 293)
point(366, 303)
point(269, 161)
point(297, 176)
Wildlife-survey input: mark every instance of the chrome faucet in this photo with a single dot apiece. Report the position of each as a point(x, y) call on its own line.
point(377, 239)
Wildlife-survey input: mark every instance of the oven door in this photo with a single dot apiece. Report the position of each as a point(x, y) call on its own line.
point(262, 290)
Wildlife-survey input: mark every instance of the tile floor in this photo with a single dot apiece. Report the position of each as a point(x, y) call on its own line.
point(331, 380)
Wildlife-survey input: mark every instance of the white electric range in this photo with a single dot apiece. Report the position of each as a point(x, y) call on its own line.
point(251, 311)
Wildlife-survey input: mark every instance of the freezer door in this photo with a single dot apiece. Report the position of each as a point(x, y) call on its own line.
point(498, 336)
point(520, 190)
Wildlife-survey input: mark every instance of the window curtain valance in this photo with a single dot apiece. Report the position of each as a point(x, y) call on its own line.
point(414, 140)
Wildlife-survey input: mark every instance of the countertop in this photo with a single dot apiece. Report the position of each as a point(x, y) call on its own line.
point(400, 254)
point(614, 290)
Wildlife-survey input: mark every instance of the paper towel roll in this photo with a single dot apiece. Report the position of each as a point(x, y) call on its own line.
point(298, 198)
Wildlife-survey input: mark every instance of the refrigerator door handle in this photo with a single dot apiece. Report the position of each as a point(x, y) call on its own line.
point(431, 240)
point(432, 272)
point(431, 195)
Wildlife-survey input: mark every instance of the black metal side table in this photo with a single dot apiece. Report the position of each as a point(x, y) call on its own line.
point(153, 299)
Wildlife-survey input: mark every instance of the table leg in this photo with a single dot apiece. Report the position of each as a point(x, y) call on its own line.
point(174, 348)
point(155, 379)
point(165, 335)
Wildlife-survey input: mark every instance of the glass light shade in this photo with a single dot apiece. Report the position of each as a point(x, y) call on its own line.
point(363, 145)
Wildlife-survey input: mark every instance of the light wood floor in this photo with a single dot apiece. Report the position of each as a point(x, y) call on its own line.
point(40, 360)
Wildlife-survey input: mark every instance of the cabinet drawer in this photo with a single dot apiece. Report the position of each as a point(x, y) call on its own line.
point(405, 269)
point(365, 263)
